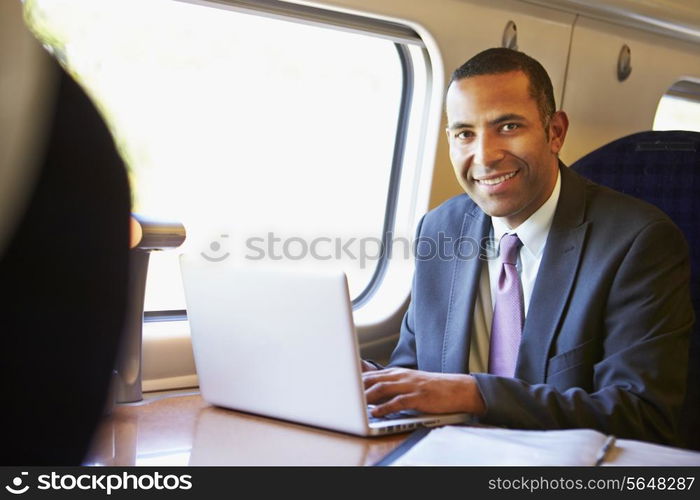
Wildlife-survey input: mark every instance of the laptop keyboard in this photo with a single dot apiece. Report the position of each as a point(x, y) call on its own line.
point(391, 416)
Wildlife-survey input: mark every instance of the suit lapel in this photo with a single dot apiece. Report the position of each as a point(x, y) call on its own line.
point(464, 287)
point(555, 278)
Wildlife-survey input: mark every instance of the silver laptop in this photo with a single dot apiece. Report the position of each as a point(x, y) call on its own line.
point(281, 343)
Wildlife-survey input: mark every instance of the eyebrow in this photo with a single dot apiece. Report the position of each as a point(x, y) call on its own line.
point(497, 121)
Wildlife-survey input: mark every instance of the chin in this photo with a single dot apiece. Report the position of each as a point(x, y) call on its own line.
point(496, 211)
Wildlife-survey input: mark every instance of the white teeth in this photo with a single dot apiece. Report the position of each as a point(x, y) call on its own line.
point(497, 180)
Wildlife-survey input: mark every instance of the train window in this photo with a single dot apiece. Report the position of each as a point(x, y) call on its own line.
point(271, 135)
point(679, 108)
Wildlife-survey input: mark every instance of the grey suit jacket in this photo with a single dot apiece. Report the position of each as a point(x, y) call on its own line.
point(605, 342)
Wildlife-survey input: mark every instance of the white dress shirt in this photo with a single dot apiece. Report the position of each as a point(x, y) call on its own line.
point(533, 234)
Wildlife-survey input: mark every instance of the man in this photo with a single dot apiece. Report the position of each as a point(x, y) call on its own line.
point(584, 318)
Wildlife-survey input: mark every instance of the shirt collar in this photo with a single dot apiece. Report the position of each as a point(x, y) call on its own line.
point(534, 231)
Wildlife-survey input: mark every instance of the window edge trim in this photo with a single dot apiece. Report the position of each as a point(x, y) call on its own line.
point(305, 14)
point(394, 177)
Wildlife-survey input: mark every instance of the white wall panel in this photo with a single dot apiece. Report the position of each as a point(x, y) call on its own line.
point(600, 107)
point(676, 18)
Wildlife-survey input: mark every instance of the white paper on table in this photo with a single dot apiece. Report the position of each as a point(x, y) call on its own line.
point(629, 452)
point(453, 445)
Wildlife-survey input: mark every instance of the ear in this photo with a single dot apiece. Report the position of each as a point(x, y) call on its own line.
point(558, 125)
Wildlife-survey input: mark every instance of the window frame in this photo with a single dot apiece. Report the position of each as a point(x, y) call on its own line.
point(684, 89)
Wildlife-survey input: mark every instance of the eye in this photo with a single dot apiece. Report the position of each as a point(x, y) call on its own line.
point(464, 135)
point(510, 127)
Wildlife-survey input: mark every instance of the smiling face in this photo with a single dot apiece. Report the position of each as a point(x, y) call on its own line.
point(503, 157)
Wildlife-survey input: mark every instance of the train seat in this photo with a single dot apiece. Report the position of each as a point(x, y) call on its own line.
point(662, 168)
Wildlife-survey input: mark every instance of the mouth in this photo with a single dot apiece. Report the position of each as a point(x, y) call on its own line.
point(495, 181)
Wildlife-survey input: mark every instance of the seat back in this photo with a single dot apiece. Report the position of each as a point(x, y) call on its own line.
point(64, 255)
point(662, 168)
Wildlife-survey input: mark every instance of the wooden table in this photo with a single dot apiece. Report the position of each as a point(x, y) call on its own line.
point(182, 429)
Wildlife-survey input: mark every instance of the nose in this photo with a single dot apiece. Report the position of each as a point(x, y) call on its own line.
point(487, 150)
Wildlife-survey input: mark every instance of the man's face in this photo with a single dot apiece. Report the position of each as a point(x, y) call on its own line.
point(502, 156)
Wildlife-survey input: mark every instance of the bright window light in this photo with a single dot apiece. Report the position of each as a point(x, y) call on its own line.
point(266, 138)
point(679, 110)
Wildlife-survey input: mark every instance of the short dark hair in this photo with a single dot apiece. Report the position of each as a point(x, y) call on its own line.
point(501, 60)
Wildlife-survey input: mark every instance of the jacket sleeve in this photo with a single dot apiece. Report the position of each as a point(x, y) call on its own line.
point(640, 381)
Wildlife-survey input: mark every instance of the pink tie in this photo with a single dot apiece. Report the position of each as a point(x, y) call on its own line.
point(508, 312)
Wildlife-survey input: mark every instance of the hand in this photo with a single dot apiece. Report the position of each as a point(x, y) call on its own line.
point(368, 367)
point(398, 389)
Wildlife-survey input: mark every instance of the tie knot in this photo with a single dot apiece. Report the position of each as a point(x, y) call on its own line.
point(510, 244)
